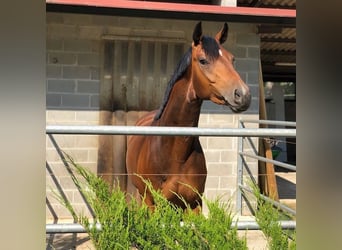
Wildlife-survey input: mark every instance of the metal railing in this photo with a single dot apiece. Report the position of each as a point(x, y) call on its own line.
point(167, 131)
point(242, 163)
point(240, 132)
point(77, 228)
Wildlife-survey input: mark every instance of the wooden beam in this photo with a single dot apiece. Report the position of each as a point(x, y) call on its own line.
point(267, 179)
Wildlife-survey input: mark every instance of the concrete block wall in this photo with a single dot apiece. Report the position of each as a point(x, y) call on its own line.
point(73, 62)
point(82, 148)
point(72, 74)
point(222, 157)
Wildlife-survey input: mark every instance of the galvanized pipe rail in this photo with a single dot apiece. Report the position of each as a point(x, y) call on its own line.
point(278, 163)
point(270, 122)
point(77, 228)
point(242, 163)
point(275, 203)
point(167, 131)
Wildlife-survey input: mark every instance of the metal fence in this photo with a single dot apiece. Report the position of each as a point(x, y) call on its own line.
point(167, 131)
point(242, 163)
point(77, 228)
point(240, 132)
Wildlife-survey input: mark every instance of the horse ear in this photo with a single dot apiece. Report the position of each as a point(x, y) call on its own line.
point(196, 36)
point(221, 37)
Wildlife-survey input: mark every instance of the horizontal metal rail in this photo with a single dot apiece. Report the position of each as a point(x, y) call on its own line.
point(68, 228)
point(270, 122)
point(275, 203)
point(253, 225)
point(277, 163)
point(77, 228)
point(170, 131)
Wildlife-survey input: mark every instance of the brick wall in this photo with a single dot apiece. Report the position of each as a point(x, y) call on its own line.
point(73, 62)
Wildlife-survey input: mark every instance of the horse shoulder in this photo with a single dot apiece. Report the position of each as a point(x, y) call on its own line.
point(135, 143)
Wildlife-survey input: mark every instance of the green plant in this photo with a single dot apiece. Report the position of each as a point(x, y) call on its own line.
point(268, 216)
point(128, 224)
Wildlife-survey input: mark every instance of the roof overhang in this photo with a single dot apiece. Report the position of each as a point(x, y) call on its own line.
point(271, 18)
point(284, 17)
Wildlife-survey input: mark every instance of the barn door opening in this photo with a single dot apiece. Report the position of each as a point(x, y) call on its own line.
point(134, 76)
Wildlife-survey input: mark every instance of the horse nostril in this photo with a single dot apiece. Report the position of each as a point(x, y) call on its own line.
point(237, 96)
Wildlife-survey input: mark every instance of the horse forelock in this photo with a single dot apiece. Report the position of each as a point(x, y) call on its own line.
point(210, 47)
point(178, 73)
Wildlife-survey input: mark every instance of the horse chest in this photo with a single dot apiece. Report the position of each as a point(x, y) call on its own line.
point(178, 174)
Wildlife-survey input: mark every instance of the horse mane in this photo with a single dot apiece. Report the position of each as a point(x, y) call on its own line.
point(181, 68)
point(210, 48)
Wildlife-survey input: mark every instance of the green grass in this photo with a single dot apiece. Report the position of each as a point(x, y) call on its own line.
point(267, 216)
point(128, 224)
point(125, 225)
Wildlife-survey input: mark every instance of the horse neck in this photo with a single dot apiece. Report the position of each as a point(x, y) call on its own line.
point(183, 107)
point(182, 112)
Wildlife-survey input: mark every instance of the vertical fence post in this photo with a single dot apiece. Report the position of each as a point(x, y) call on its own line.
point(239, 172)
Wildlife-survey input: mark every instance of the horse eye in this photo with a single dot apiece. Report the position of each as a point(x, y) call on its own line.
point(203, 61)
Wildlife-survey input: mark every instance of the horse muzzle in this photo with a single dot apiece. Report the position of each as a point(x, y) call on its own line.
point(242, 100)
point(239, 101)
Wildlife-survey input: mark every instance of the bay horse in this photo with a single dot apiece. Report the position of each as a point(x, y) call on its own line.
point(173, 163)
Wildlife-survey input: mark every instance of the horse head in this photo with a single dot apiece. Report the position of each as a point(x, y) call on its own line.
point(213, 74)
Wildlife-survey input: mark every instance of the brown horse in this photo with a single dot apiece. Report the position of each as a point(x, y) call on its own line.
point(173, 163)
